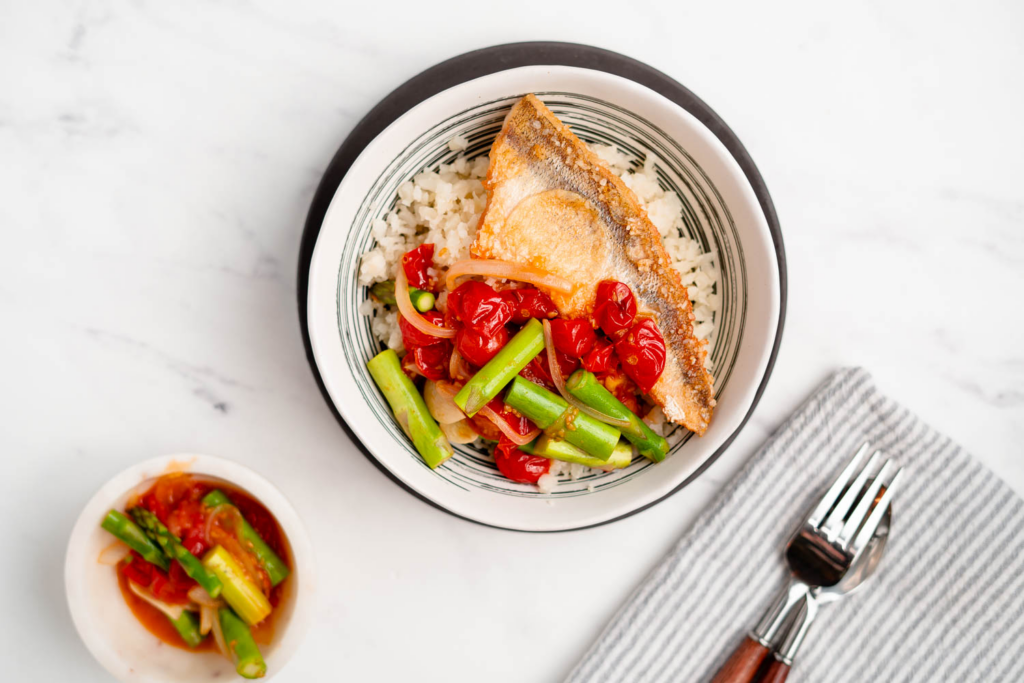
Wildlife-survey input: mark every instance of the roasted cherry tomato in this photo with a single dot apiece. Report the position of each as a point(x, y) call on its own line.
point(615, 308)
point(413, 337)
point(415, 264)
point(572, 337)
point(477, 306)
point(479, 348)
point(195, 542)
point(621, 387)
point(172, 588)
point(520, 424)
point(484, 427)
point(537, 369)
point(601, 358)
point(432, 361)
point(529, 302)
point(642, 352)
point(138, 571)
point(519, 466)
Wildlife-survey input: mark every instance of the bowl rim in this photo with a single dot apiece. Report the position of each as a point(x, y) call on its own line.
point(204, 465)
point(498, 59)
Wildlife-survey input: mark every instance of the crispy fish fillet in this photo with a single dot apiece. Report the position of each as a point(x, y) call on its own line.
point(553, 204)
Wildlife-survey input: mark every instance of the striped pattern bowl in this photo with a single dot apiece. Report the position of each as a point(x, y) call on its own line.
point(720, 211)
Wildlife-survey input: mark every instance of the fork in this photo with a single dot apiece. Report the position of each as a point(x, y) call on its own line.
point(826, 545)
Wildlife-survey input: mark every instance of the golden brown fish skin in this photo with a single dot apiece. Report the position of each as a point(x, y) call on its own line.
point(554, 204)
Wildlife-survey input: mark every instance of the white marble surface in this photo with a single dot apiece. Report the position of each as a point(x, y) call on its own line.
point(157, 160)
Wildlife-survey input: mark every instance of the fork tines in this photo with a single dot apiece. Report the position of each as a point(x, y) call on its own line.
point(853, 507)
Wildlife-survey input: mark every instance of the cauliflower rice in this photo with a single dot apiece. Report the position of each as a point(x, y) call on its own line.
point(443, 206)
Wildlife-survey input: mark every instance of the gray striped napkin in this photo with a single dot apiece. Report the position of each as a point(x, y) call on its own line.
point(947, 603)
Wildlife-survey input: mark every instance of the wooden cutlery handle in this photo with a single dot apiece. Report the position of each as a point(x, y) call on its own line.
point(743, 665)
point(777, 672)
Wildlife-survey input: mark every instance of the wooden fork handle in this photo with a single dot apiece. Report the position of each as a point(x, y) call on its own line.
point(777, 672)
point(742, 667)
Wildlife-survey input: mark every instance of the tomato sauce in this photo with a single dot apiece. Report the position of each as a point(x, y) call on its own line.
point(188, 489)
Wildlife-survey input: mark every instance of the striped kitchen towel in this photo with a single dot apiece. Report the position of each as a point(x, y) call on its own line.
point(947, 603)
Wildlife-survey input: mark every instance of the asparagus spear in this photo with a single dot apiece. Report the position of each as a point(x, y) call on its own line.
point(500, 370)
point(546, 408)
point(184, 622)
point(130, 533)
point(244, 652)
point(410, 410)
point(173, 548)
point(243, 595)
point(385, 293)
point(187, 626)
point(588, 389)
point(557, 449)
point(275, 567)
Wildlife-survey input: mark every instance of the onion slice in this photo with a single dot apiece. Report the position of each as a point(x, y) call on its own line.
point(441, 404)
point(556, 377)
point(198, 595)
point(409, 312)
point(458, 368)
point(207, 615)
point(506, 428)
point(508, 271)
point(112, 555)
point(459, 432)
point(228, 511)
point(172, 611)
point(218, 637)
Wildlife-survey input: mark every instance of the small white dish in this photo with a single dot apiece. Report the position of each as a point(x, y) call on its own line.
point(724, 214)
point(107, 626)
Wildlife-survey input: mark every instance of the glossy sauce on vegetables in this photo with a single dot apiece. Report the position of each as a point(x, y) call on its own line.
point(176, 495)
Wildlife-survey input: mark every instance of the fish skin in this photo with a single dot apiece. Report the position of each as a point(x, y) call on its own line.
point(553, 204)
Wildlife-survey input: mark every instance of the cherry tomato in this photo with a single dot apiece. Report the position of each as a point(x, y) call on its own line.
point(477, 306)
point(138, 571)
point(188, 515)
point(415, 264)
point(154, 505)
point(520, 424)
point(615, 309)
point(537, 369)
point(479, 348)
point(195, 542)
point(529, 302)
point(432, 361)
point(519, 466)
point(621, 387)
point(176, 587)
point(484, 427)
point(572, 337)
point(413, 337)
point(601, 358)
point(642, 351)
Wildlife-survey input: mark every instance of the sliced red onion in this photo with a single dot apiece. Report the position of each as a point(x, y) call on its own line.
point(409, 312)
point(442, 405)
point(506, 428)
point(507, 271)
point(458, 368)
point(459, 432)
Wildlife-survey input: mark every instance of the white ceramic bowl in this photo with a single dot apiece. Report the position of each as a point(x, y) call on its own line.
point(723, 213)
point(105, 623)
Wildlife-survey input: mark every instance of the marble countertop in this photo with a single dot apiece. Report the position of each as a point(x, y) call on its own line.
point(158, 162)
